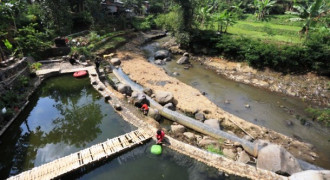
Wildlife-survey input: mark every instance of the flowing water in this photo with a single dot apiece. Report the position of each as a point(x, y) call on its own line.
point(268, 109)
point(66, 115)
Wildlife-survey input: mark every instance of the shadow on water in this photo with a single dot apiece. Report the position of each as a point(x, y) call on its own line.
point(272, 110)
point(64, 115)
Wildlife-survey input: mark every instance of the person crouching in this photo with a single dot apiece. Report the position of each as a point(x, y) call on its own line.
point(160, 136)
point(145, 109)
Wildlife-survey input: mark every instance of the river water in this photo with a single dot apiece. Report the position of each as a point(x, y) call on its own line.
point(66, 115)
point(268, 109)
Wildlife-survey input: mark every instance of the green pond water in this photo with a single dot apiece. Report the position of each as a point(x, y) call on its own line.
point(141, 164)
point(66, 115)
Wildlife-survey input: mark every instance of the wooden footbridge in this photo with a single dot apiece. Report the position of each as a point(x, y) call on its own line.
point(84, 157)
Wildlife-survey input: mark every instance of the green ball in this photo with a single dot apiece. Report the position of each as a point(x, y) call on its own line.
point(156, 149)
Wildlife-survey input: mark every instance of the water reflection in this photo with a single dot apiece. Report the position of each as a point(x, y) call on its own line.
point(64, 116)
point(140, 164)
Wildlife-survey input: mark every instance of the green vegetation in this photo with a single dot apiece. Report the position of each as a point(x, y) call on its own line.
point(214, 149)
point(322, 115)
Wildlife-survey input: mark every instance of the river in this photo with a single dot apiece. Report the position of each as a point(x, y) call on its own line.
point(268, 109)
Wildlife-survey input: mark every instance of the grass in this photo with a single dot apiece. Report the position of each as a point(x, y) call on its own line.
point(266, 31)
point(277, 29)
point(214, 149)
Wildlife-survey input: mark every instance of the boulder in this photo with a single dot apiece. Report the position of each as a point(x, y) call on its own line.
point(207, 141)
point(178, 128)
point(183, 60)
point(138, 98)
point(229, 153)
point(175, 74)
point(162, 54)
point(82, 58)
point(160, 62)
point(147, 91)
point(170, 106)
point(243, 157)
point(124, 89)
point(154, 113)
point(168, 59)
point(191, 136)
point(214, 123)
point(117, 107)
point(276, 159)
point(115, 61)
point(163, 97)
point(311, 174)
point(200, 116)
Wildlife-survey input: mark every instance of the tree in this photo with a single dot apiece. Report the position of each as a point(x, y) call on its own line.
point(204, 15)
point(311, 13)
point(262, 8)
point(224, 19)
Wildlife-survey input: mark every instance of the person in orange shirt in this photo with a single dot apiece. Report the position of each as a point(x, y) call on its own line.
point(145, 109)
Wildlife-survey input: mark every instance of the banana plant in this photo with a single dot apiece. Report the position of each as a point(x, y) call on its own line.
point(262, 8)
point(224, 19)
point(311, 13)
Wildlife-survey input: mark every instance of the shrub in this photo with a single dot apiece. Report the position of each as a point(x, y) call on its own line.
point(313, 56)
point(31, 41)
point(322, 115)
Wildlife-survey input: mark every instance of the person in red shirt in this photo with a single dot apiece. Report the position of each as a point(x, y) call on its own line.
point(160, 136)
point(145, 109)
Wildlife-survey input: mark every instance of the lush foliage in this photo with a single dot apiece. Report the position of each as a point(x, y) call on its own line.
point(311, 12)
point(313, 56)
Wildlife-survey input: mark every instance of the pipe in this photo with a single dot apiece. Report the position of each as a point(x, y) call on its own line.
point(198, 126)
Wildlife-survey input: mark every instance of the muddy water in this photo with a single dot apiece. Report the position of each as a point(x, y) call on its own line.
point(272, 110)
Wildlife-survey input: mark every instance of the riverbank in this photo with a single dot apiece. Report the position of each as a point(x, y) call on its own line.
point(190, 100)
point(308, 87)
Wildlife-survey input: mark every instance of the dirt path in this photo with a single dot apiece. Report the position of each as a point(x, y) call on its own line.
point(189, 100)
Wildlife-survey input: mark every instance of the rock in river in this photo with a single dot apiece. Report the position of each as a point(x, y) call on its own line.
point(162, 54)
point(163, 97)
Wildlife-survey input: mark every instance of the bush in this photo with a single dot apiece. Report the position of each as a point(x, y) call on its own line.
point(322, 115)
point(31, 41)
point(143, 24)
point(313, 56)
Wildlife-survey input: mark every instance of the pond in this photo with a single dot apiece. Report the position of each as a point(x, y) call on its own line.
point(64, 115)
point(140, 164)
point(268, 109)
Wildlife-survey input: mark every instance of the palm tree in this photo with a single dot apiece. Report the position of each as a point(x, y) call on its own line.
point(311, 13)
point(262, 8)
